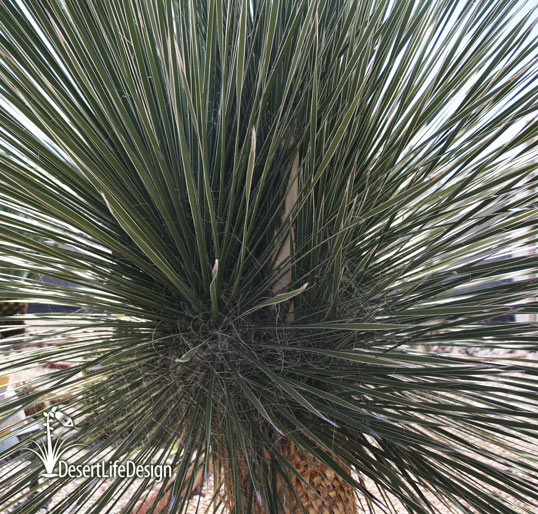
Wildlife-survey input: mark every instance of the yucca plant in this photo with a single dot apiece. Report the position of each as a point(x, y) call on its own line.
point(271, 209)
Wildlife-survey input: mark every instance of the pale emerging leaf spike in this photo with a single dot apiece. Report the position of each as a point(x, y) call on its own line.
point(213, 289)
point(215, 269)
point(279, 298)
point(189, 355)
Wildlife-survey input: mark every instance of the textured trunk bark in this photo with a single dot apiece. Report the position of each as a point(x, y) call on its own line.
point(326, 492)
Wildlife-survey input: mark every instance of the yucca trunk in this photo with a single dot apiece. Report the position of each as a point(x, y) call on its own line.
point(11, 309)
point(327, 493)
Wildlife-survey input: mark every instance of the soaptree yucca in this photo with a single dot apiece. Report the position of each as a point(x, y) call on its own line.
point(269, 211)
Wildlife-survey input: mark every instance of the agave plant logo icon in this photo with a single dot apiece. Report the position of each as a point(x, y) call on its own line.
point(51, 450)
